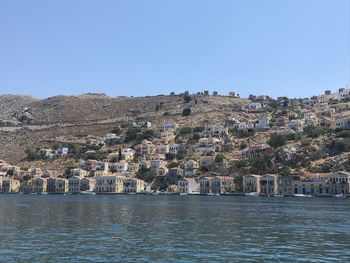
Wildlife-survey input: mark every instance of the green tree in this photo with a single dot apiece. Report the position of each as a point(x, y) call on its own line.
point(120, 157)
point(131, 134)
point(238, 180)
point(187, 98)
point(186, 112)
point(277, 140)
point(219, 158)
point(284, 170)
point(260, 164)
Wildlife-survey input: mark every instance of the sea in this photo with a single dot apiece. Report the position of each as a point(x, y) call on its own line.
point(173, 228)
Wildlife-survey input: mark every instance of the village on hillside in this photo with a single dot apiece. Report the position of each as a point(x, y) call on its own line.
point(266, 146)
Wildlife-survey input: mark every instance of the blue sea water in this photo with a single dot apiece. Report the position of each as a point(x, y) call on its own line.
point(144, 228)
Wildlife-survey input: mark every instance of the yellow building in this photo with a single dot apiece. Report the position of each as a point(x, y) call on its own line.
point(10, 185)
point(109, 184)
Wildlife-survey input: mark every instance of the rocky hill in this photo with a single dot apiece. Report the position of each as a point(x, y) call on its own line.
point(27, 122)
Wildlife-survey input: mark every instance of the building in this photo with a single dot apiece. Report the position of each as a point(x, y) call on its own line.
point(308, 187)
point(26, 186)
point(78, 172)
point(174, 148)
point(127, 154)
point(251, 106)
point(282, 122)
point(263, 123)
point(145, 148)
point(204, 185)
point(295, 124)
point(109, 184)
point(221, 185)
point(134, 185)
point(61, 186)
point(47, 152)
point(87, 184)
point(167, 136)
point(251, 183)
point(62, 151)
point(51, 185)
point(244, 126)
point(10, 185)
point(89, 165)
point(162, 148)
point(133, 167)
point(169, 126)
point(187, 186)
point(174, 173)
point(74, 184)
point(119, 167)
point(254, 151)
point(191, 168)
point(40, 185)
point(94, 141)
point(261, 184)
point(207, 161)
point(215, 130)
point(142, 124)
point(340, 183)
point(267, 184)
point(210, 144)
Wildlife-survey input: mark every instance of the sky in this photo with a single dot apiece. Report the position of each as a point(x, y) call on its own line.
point(295, 48)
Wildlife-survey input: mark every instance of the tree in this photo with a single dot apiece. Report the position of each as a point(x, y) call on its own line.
point(277, 140)
point(260, 164)
point(284, 170)
point(186, 112)
point(131, 134)
point(120, 157)
point(9, 173)
point(187, 98)
point(219, 158)
point(238, 180)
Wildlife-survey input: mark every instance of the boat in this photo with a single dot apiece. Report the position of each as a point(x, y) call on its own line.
point(302, 195)
point(183, 193)
point(251, 194)
point(87, 193)
point(340, 195)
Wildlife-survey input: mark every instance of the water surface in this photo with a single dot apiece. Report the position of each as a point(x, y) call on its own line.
point(140, 228)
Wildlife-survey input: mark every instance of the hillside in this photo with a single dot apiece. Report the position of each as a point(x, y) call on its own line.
point(29, 123)
point(302, 139)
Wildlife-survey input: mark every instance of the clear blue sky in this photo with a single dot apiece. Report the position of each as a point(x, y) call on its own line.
point(148, 47)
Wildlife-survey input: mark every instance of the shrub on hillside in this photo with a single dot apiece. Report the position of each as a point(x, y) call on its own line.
point(277, 140)
point(186, 112)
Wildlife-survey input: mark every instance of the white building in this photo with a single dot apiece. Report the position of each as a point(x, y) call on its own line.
point(263, 123)
point(187, 186)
